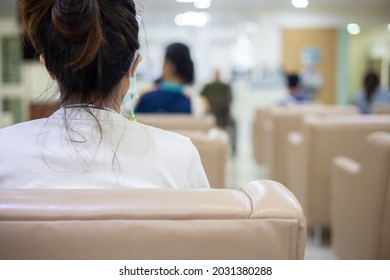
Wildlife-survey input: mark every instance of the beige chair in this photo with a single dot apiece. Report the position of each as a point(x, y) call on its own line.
point(381, 109)
point(213, 148)
point(262, 220)
point(259, 130)
point(262, 129)
point(178, 121)
point(309, 157)
point(287, 119)
point(360, 196)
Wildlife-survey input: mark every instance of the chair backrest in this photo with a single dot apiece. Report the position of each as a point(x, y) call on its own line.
point(288, 119)
point(178, 121)
point(360, 202)
point(213, 148)
point(375, 194)
point(324, 139)
point(381, 109)
point(262, 220)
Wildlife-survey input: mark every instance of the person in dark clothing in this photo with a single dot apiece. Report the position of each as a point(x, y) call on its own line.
point(295, 93)
point(168, 96)
point(219, 97)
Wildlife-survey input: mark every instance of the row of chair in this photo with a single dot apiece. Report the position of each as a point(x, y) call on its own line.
point(299, 145)
point(309, 156)
point(272, 125)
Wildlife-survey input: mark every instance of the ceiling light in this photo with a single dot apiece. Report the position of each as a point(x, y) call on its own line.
point(192, 19)
point(202, 4)
point(353, 28)
point(300, 3)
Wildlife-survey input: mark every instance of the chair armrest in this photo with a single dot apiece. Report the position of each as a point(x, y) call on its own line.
point(344, 175)
point(272, 200)
point(345, 165)
point(296, 167)
point(295, 138)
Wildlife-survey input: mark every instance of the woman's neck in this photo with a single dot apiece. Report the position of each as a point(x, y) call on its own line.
point(109, 105)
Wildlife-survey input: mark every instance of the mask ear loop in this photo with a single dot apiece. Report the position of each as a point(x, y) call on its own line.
point(133, 94)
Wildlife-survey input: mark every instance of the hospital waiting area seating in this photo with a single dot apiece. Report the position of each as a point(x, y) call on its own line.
point(336, 162)
point(261, 220)
point(271, 126)
point(310, 153)
point(360, 201)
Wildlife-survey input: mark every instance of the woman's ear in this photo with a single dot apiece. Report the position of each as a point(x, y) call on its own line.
point(42, 60)
point(134, 66)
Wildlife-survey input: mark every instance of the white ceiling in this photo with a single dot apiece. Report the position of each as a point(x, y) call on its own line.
point(223, 12)
point(319, 12)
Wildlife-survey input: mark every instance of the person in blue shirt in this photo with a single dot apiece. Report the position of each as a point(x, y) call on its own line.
point(168, 96)
point(295, 93)
point(371, 94)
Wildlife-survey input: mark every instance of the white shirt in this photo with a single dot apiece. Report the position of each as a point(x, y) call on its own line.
point(59, 152)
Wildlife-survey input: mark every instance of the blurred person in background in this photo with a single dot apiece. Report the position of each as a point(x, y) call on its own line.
point(295, 91)
point(219, 99)
point(371, 93)
point(169, 95)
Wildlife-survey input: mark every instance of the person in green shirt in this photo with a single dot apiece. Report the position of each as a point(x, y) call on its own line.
point(219, 97)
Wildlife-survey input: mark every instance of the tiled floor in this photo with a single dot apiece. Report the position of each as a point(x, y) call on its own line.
point(318, 252)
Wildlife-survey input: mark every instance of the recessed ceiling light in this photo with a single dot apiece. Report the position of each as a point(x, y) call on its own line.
point(192, 19)
point(202, 4)
point(353, 28)
point(300, 3)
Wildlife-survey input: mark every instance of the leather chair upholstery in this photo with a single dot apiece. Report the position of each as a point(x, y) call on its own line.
point(262, 220)
point(178, 121)
point(381, 109)
point(360, 196)
point(277, 122)
point(310, 154)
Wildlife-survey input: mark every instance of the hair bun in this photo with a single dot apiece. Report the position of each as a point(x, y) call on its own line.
point(79, 20)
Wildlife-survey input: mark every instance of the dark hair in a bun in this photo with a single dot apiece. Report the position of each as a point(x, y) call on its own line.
point(88, 45)
point(179, 55)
